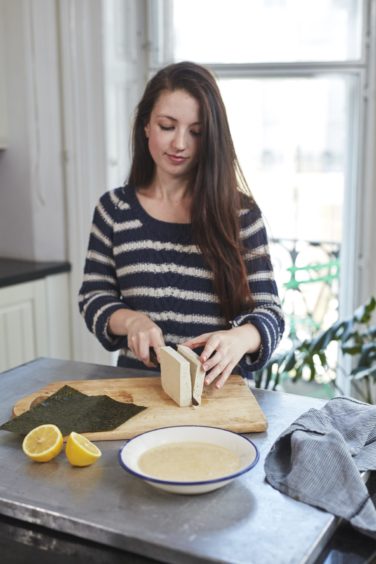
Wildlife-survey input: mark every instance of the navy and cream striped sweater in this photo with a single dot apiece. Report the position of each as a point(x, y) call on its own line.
point(137, 262)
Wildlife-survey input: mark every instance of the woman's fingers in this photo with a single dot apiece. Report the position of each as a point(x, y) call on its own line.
point(218, 364)
point(222, 350)
point(199, 341)
point(210, 342)
point(212, 354)
point(221, 380)
point(144, 335)
point(213, 345)
point(221, 353)
point(219, 374)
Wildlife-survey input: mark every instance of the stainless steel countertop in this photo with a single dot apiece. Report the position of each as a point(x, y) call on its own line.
point(245, 522)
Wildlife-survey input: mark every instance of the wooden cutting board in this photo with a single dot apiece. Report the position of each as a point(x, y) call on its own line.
point(233, 407)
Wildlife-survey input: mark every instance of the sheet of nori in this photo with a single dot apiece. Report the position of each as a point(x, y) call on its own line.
point(72, 410)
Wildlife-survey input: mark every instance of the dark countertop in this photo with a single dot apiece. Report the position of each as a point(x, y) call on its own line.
point(14, 271)
point(101, 513)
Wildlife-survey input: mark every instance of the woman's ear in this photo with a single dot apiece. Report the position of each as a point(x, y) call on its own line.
point(147, 129)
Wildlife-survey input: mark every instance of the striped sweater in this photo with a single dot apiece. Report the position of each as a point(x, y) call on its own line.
point(137, 262)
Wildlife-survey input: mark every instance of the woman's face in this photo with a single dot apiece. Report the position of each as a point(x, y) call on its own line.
point(173, 132)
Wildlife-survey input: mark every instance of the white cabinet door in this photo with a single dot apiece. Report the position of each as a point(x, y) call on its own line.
point(23, 323)
point(35, 320)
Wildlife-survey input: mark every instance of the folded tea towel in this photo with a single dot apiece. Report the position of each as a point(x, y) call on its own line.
point(318, 460)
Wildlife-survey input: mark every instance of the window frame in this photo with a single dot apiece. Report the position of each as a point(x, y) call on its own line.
point(359, 209)
point(360, 173)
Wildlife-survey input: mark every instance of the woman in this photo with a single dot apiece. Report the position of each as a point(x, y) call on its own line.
point(179, 254)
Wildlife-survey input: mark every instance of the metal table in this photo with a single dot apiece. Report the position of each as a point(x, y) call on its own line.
point(245, 522)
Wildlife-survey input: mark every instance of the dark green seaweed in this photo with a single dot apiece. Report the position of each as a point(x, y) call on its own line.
point(72, 410)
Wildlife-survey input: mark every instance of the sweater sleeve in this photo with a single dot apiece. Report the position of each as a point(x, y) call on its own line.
point(267, 315)
point(99, 295)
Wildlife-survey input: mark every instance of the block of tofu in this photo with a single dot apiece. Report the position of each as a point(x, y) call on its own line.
point(197, 373)
point(175, 376)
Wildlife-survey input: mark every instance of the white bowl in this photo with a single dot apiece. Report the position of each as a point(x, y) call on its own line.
point(244, 448)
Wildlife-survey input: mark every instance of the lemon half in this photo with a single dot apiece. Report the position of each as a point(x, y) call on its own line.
point(80, 451)
point(43, 443)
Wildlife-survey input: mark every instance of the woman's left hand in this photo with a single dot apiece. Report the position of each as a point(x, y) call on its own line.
point(223, 350)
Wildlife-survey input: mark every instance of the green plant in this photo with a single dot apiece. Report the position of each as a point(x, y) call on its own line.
point(355, 338)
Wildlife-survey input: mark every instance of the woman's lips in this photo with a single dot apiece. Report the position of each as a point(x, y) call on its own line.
point(176, 159)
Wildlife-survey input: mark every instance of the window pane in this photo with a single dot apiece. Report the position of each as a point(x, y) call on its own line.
point(256, 31)
point(291, 137)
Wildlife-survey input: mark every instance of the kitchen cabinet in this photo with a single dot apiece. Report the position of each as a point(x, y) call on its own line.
point(34, 315)
point(23, 326)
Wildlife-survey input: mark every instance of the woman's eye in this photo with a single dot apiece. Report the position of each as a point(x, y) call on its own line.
point(196, 133)
point(166, 127)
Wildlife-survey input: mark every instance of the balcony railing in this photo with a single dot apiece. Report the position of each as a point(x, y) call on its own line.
point(307, 275)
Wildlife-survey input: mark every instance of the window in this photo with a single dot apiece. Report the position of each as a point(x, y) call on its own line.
point(291, 136)
point(293, 77)
point(262, 31)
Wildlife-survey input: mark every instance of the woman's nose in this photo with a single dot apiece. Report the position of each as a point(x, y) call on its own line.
point(179, 141)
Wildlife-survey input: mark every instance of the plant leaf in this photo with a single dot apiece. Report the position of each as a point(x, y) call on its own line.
point(363, 313)
point(352, 350)
point(289, 361)
point(361, 373)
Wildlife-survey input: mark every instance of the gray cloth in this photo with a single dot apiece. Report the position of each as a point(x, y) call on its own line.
point(318, 460)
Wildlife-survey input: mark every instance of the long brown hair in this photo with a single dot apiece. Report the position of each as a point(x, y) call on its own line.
point(217, 185)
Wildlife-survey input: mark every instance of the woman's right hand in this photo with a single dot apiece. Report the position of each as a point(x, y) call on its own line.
point(143, 334)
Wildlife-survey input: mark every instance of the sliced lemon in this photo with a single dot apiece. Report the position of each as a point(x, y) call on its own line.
point(80, 451)
point(43, 443)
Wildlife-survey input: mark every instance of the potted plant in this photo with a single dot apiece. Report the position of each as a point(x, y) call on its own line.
point(356, 340)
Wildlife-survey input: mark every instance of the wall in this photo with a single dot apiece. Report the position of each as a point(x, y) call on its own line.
point(32, 216)
point(54, 168)
point(82, 91)
point(367, 205)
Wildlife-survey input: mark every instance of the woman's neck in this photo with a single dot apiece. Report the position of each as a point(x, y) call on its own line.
point(169, 189)
point(168, 201)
